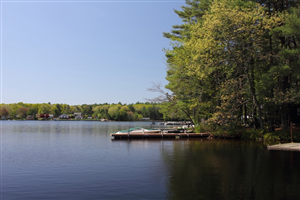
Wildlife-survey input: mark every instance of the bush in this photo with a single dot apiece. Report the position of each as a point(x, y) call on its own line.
point(271, 137)
point(286, 135)
point(252, 134)
point(197, 129)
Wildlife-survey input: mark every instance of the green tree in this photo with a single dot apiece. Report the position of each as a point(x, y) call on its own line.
point(104, 111)
point(56, 110)
point(86, 109)
point(113, 111)
point(33, 109)
point(286, 71)
point(97, 111)
point(123, 113)
point(65, 109)
point(230, 42)
point(44, 109)
point(131, 107)
point(187, 91)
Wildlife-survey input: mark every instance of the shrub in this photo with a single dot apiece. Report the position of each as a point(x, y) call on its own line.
point(197, 129)
point(271, 137)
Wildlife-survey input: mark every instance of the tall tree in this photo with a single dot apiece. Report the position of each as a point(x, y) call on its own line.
point(231, 40)
point(44, 108)
point(187, 91)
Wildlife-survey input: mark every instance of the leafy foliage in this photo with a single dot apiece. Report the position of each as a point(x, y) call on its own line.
point(235, 63)
point(118, 112)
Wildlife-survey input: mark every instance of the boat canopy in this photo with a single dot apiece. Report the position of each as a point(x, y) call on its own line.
point(134, 129)
point(129, 130)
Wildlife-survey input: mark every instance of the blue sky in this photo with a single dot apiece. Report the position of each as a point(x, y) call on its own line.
point(84, 52)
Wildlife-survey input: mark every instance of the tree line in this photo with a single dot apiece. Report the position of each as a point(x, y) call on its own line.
point(117, 112)
point(235, 63)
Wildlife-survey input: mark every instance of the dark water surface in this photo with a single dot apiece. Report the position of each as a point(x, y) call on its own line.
point(78, 160)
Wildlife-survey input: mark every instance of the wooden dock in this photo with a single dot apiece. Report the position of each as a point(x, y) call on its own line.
point(158, 135)
point(285, 147)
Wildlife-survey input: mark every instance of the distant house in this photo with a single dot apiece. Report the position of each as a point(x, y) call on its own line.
point(77, 114)
point(51, 116)
point(89, 117)
point(8, 117)
point(146, 118)
point(30, 117)
point(64, 116)
point(78, 117)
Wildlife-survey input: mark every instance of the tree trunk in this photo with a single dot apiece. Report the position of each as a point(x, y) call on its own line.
point(255, 100)
point(271, 127)
point(254, 115)
point(245, 114)
point(284, 116)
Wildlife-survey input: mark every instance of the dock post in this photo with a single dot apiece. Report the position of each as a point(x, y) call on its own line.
point(291, 127)
point(128, 130)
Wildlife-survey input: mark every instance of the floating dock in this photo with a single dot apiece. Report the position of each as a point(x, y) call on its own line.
point(158, 135)
point(285, 147)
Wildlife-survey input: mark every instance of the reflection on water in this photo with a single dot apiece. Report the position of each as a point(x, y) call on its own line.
point(78, 160)
point(223, 169)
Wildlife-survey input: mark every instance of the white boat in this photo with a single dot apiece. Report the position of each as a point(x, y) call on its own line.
point(138, 130)
point(173, 123)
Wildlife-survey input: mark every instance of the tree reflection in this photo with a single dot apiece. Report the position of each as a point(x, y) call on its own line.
point(223, 169)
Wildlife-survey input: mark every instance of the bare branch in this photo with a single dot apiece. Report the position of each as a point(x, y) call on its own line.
point(163, 95)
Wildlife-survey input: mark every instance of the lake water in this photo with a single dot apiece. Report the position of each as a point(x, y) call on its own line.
point(78, 160)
